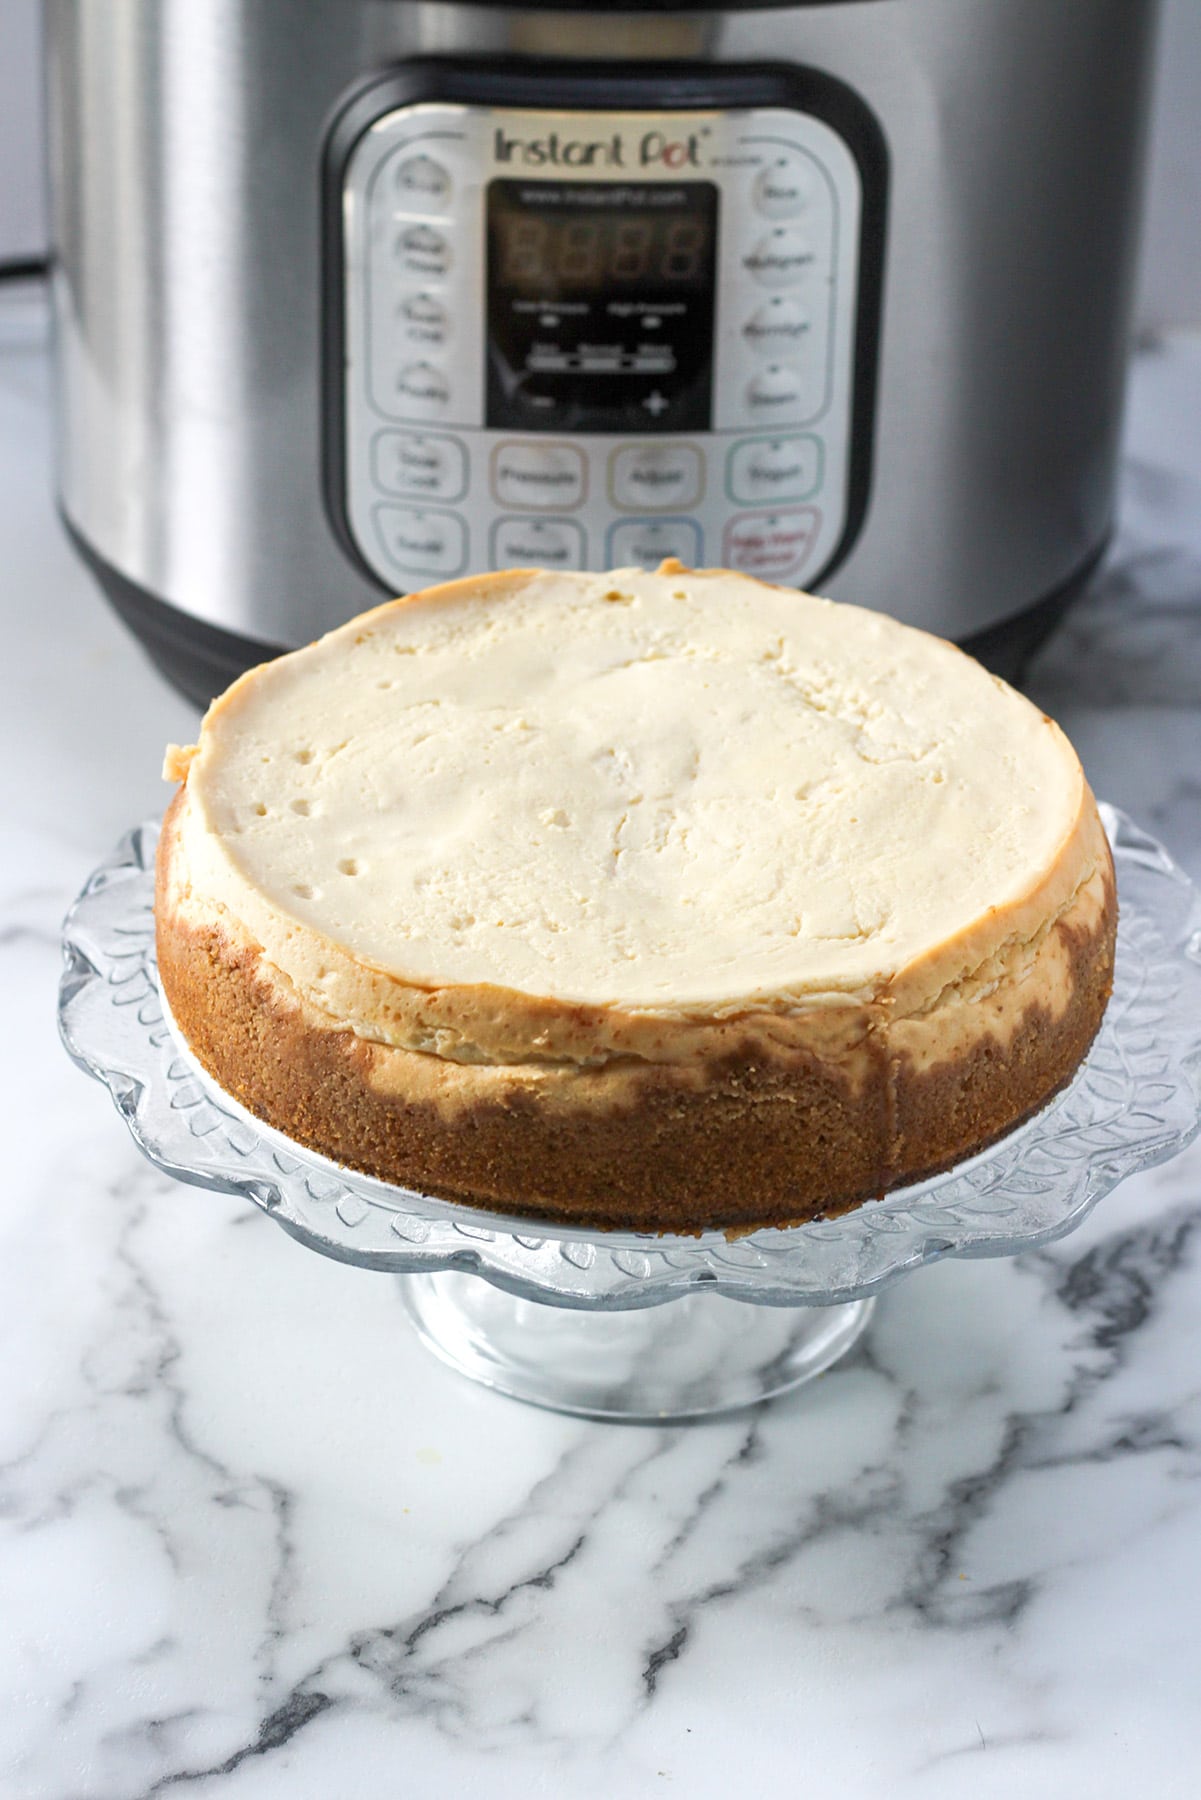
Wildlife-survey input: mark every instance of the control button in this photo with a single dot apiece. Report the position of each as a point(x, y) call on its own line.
point(656, 477)
point(784, 188)
point(537, 475)
point(424, 320)
point(774, 393)
point(422, 389)
point(778, 328)
point(422, 543)
point(655, 403)
point(537, 544)
point(648, 541)
point(770, 545)
point(422, 251)
point(419, 467)
point(765, 469)
point(422, 185)
point(780, 259)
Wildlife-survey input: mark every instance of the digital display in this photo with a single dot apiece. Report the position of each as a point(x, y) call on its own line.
point(600, 305)
point(541, 252)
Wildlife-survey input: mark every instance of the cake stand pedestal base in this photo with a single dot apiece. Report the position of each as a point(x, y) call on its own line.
point(698, 1357)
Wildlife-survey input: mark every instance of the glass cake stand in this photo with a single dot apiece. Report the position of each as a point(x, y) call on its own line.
point(578, 1320)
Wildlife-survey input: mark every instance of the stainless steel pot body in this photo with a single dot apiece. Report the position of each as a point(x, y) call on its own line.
point(185, 160)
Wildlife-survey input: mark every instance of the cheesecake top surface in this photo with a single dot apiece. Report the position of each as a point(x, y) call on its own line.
point(642, 789)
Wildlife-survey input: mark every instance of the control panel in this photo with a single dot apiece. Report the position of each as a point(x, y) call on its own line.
point(594, 339)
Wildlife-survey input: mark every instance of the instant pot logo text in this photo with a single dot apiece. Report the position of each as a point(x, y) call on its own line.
point(652, 149)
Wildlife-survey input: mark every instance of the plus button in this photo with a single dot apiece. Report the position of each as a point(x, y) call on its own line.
point(655, 403)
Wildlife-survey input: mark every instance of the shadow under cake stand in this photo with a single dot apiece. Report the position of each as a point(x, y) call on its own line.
point(626, 1325)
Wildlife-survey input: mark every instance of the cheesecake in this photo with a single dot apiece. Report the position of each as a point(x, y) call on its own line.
point(657, 900)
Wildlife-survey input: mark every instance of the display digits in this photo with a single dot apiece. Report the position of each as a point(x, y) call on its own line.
point(579, 245)
point(682, 250)
point(525, 246)
point(631, 249)
point(588, 252)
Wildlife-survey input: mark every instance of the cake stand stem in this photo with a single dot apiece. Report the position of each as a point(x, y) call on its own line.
point(690, 1359)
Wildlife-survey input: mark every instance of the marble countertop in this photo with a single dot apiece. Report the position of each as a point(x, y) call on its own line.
point(254, 1541)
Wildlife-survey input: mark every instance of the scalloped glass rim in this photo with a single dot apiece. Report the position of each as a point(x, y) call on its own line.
point(1136, 1101)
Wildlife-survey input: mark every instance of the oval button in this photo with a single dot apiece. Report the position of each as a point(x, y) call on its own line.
point(646, 542)
point(537, 475)
point(422, 185)
point(784, 188)
point(537, 544)
point(419, 467)
point(422, 543)
point(423, 321)
point(663, 477)
point(421, 388)
point(771, 545)
point(778, 328)
point(775, 391)
point(422, 251)
point(766, 469)
point(779, 259)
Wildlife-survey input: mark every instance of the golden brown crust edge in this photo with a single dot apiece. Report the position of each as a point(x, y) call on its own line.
point(737, 1143)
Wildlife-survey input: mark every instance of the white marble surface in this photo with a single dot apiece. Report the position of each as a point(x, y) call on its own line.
point(254, 1542)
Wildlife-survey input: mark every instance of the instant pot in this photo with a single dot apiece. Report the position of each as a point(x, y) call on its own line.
point(360, 295)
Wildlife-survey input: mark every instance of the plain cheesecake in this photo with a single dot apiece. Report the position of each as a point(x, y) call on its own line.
point(658, 900)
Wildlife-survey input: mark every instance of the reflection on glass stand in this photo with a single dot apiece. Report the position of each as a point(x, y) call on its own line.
point(700, 1356)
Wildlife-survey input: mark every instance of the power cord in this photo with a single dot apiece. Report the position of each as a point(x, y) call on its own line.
point(24, 268)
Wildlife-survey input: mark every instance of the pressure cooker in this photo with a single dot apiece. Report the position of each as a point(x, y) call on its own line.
point(361, 295)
